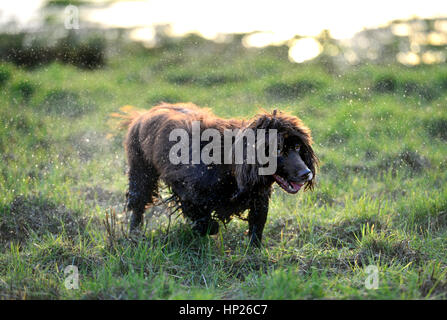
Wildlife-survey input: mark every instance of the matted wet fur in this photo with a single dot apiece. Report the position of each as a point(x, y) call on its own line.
point(203, 192)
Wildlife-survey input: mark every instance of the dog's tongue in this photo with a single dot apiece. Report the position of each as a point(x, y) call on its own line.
point(288, 186)
point(296, 186)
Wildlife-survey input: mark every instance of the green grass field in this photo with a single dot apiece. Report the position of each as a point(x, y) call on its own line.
point(381, 197)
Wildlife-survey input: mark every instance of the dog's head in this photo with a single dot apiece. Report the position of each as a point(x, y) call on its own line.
point(296, 161)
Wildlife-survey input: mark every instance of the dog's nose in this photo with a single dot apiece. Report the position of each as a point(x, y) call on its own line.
point(305, 174)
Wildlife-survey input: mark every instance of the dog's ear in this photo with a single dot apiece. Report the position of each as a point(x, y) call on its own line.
point(246, 175)
point(246, 172)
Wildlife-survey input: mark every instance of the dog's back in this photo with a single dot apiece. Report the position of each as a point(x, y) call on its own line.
point(148, 130)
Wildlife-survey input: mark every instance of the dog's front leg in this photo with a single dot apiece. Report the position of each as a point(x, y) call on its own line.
point(256, 220)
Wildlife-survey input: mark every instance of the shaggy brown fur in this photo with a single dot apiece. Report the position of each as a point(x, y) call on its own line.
point(203, 192)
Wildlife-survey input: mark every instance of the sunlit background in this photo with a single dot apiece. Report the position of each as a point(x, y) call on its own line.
point(297, 24)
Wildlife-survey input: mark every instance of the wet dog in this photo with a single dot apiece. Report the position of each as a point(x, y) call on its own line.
point(217, 190)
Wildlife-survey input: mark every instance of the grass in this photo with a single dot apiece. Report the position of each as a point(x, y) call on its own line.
point(381, 198)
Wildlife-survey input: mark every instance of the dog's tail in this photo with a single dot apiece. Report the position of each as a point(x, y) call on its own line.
point(124, 118)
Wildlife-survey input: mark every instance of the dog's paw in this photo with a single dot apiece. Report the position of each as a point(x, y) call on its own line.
point(205, 227)
point(213, 227)
point(136, 222)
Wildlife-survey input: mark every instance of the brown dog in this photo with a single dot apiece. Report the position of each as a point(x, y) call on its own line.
point(220, 189)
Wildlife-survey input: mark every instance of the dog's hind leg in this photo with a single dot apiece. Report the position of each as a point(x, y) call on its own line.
point(143, 183)
point(142, 189)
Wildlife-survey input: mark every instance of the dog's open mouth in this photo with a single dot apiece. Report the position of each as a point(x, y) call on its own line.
point(288, 186)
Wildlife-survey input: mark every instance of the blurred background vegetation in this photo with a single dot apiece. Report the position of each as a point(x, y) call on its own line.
point(46, 38)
